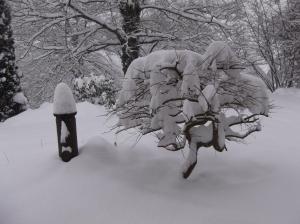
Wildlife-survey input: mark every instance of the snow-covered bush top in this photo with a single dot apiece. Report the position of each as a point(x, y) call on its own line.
point(20, 98)
point(96, 89)
point(21, 101)
point(64, 102)
point(219, 55)
point(208, 93)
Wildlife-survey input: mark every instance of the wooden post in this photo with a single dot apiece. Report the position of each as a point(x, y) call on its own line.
point(67, 144)
point(65, 111)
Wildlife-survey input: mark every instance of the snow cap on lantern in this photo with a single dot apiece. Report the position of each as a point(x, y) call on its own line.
point(64, 102)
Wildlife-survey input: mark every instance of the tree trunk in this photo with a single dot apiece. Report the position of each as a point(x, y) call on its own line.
point(130, 11)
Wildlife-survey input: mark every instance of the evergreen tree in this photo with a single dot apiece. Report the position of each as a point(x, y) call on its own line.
point(12, 101)
point(293, 39)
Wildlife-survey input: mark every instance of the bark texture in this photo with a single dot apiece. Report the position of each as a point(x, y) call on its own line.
point(130, 11)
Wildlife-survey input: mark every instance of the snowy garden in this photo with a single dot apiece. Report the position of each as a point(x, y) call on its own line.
point(141, 111)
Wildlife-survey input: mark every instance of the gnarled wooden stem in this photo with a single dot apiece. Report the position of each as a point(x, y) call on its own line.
point(190, 161)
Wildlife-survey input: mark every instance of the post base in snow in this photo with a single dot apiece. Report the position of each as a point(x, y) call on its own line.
point(66, 156)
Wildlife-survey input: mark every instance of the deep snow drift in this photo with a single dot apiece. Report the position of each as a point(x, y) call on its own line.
point(253, 183)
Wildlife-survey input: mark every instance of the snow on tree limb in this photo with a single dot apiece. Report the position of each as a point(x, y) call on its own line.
point(186, 15)
point(116, 31)
point(40, 32)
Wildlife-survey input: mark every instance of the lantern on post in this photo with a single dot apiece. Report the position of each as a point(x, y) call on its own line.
point(64, 110)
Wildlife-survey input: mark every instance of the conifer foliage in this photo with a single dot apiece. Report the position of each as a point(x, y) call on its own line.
point(12, 100)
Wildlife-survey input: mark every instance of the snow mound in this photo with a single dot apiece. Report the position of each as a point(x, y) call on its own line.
point(99, 149)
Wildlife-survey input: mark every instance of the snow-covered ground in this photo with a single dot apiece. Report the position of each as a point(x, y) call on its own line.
point(257, 182)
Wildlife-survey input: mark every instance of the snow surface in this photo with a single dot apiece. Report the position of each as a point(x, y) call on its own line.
point(63, 102)
point(253, 183)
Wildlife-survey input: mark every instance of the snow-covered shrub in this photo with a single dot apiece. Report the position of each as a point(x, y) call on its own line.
point(95, 89)
point(208, 94)
point(12, 100)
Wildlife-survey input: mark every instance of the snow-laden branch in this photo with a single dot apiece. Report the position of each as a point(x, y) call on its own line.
point(43, 15)
point(94, 47)
point(160, 35)
point(210, 19)
point(114, 30)
point(40, 32)
point(90, 33)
